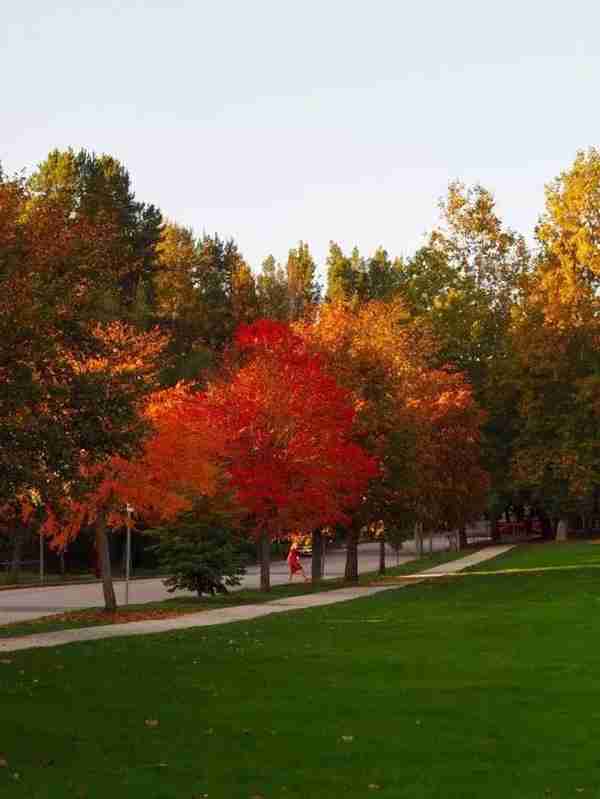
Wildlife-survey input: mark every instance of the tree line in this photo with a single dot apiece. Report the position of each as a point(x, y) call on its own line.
point(141, 363)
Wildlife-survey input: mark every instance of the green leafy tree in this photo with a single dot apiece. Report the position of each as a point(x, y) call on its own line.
point(303, 289)
point(347, 276)
point(245, 298)
point(478, 245)
point(60, 400)
point(464, 283)
point(555, 338)
point(340, 277)
point(556, 380)
point(180, 307)
point(272, 291)
point(98, 188)
point(381, 278)
point(217, 264)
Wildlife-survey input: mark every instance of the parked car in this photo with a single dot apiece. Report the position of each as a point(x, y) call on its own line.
point(304, 545)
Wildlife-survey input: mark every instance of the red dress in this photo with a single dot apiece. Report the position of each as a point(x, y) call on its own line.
point(294, 561)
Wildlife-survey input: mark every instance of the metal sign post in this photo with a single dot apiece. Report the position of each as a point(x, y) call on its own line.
point(129, 510)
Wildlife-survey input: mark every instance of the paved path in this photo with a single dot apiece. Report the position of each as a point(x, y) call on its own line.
point(226, 615)
point(24, 604)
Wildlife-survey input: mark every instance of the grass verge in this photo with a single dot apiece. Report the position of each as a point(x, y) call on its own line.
point(544, 554)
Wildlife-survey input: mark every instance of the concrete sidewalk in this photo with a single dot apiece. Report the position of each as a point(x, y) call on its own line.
point(209, 618)
point(25, 604)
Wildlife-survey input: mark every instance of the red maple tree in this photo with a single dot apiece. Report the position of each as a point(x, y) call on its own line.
point(286, 426)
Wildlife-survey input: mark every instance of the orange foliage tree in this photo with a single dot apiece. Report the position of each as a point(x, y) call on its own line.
point(449, 483)
point(175, 465)
point(422, 423)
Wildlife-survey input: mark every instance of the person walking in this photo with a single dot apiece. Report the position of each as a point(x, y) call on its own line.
point(294, 565)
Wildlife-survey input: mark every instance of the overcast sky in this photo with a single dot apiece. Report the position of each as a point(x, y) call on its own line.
point(273, 121)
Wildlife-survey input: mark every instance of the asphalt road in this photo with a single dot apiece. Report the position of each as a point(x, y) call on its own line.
point(23, 604)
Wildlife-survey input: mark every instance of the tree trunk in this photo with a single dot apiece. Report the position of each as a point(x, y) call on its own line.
point(562, 530)
point(431, 543)
point(462, 537)
point(18, 539)
point(351, 571)
point(264, 553)
point(381, 569)
point(110, 600)
point(419, 539)
point(317, 555)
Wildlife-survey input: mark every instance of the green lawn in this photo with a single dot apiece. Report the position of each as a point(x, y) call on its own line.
point(192, 604)
point(544, 555)
point(480, 687)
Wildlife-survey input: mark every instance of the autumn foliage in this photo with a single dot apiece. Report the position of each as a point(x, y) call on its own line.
point(176, 464)
point(422, 422)
point(287, 428)
point(122, 381)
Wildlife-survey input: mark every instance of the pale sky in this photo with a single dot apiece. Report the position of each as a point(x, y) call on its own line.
point(274, 121)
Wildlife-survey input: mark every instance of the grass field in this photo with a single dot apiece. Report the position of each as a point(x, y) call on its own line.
point(95, 617)
point(479, 687)
point(545, 555)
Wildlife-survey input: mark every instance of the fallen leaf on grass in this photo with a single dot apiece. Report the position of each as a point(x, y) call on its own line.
point(99, 617)
point(151, 722)
point(373, 786)
point(347, 738)
point(3, 762)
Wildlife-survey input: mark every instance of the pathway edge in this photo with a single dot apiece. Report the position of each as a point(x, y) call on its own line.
point(211, 618)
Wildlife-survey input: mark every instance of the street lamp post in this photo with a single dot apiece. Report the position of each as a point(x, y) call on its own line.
point(129, 510)
point(42, 564)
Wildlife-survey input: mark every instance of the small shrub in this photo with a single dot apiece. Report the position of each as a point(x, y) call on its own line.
point(201, 553)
